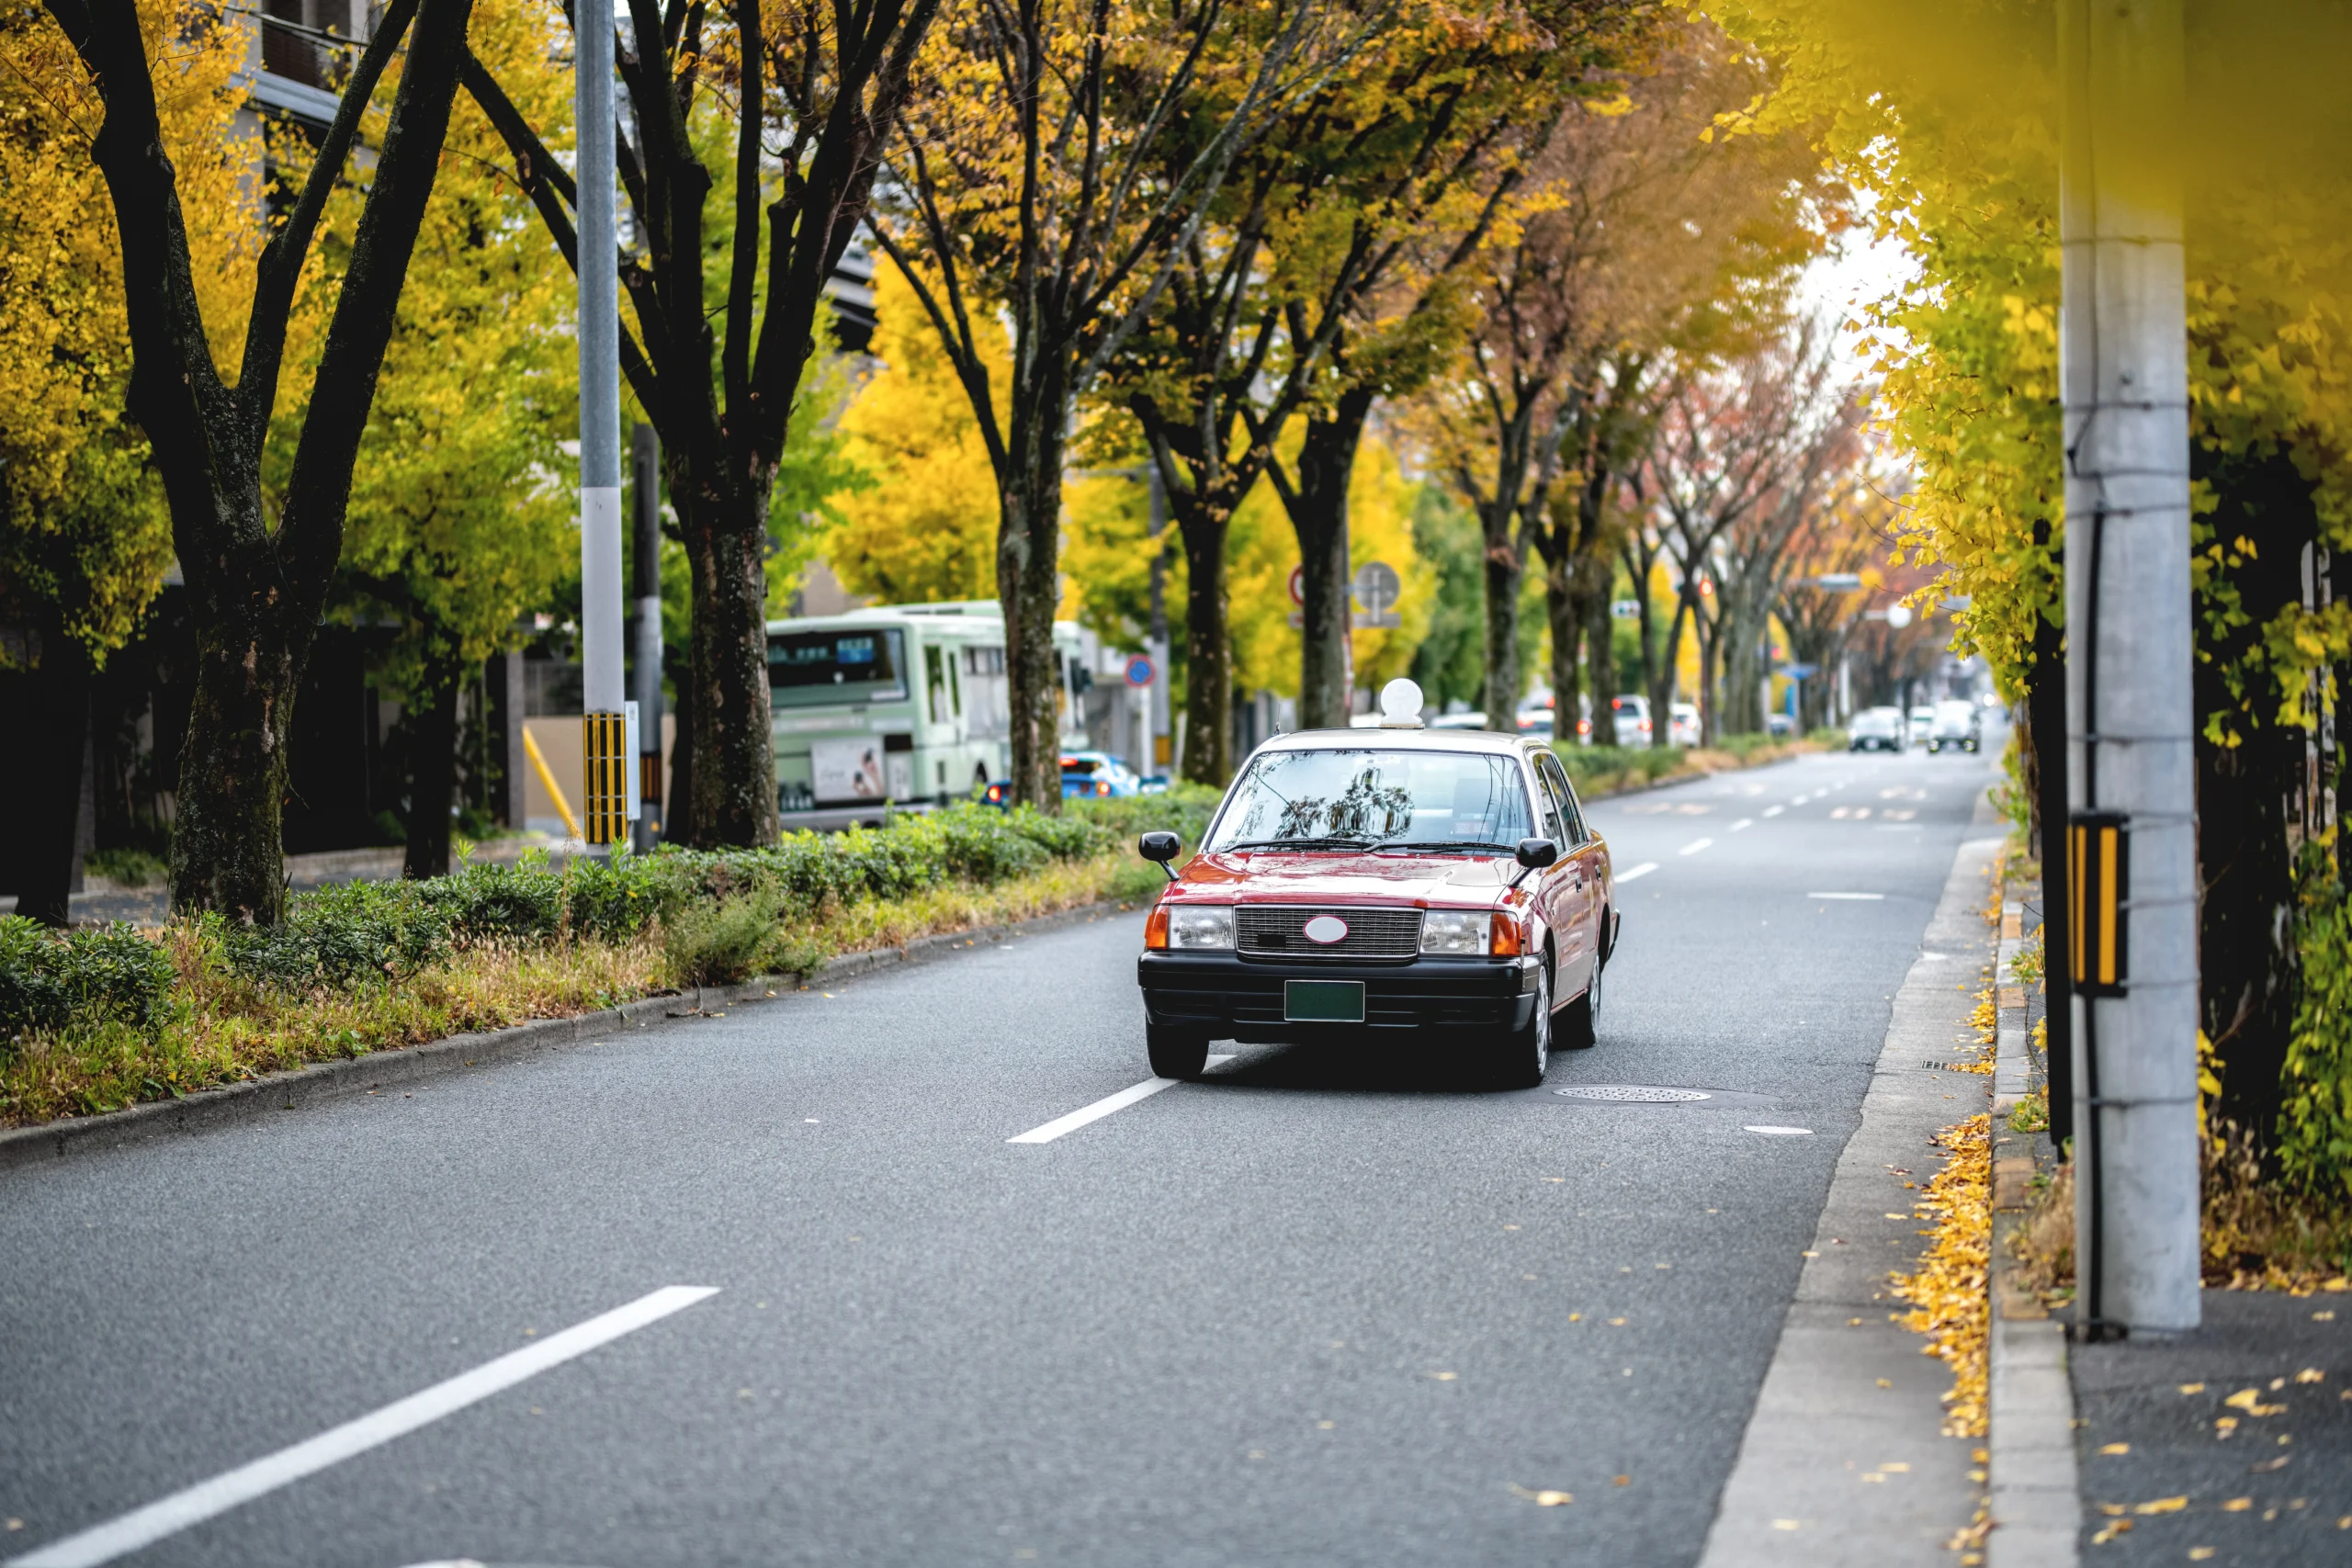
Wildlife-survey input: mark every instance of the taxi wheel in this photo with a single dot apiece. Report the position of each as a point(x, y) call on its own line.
point(1176, 1053)
point(1527, 1052)
point(1579, 1022)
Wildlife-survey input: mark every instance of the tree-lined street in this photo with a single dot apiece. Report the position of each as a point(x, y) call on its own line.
point(1318, 1307)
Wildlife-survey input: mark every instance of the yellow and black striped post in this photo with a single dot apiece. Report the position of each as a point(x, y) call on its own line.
point(2099, 888)
point(605, 765)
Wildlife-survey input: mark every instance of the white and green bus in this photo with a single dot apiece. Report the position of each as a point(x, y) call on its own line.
point(905, 704)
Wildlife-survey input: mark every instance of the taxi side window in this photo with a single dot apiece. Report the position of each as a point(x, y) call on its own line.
point(1556, 780)
point(1555, 826)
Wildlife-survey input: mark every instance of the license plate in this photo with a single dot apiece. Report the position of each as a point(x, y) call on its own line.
point(1323, 1001)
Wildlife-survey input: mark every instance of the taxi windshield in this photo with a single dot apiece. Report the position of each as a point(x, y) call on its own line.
point(1366, 798)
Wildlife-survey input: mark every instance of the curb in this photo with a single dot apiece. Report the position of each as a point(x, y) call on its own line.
point(256, 1099)
point(2035, 1502)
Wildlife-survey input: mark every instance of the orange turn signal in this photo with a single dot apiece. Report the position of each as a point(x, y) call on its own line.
point(1155, 928)
point(1507, 941)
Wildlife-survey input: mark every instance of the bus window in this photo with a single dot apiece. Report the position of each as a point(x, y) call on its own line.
point(813, 669)
point(936, 662)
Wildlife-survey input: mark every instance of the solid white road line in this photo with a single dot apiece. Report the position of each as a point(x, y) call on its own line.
point(209, 1499)
point(1856, 898)
point(1642, 869)
point(1743, 822)
point(1102, 1107)
point(1694, 846)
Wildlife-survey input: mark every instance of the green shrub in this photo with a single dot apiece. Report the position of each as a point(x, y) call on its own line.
point(51, 980)
point(2315, 1137)
point(718, 944)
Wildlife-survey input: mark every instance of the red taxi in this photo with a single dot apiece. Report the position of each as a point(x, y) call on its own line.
point(1360, 882)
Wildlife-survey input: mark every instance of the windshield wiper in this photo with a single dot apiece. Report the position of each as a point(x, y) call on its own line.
point(1298, 844)
point(1452, 846)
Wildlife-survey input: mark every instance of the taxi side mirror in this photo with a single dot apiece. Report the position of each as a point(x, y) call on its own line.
point(1161, 847)
point(1537, 854)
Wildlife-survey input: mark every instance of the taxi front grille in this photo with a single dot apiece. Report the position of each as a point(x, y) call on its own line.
point(1278, 931)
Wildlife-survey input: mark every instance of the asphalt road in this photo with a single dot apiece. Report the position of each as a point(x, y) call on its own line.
point(1324, 1309)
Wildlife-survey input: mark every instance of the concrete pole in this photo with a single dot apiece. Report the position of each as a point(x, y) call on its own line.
point(606, 781)
point(645, 472)
point(2130, 714)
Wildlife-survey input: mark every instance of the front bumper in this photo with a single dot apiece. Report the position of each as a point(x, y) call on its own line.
point(1241, 1000)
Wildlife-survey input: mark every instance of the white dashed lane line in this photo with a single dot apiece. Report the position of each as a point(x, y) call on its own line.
point(1743, 822)
point(1774, 810)
point(1102, 1107)
point(1694, 846)
point(1642, 869)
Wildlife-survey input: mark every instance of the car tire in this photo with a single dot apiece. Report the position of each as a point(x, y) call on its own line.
point(1526, 1054)
point(1176, 1053)
point(1579, 1024)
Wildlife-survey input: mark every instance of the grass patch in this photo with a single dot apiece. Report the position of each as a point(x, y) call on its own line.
point(105, 1018)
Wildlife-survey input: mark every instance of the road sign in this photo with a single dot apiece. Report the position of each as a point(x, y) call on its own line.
point(1139, 670)
point(1898, 616)
point(1298, 585)
point(1376, 585)
point(1625, 609)
point(1845, 580)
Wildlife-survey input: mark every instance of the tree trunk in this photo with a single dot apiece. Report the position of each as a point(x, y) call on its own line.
point(1564, 611)
point(1208, 653)
point(432, 769)
point(1028, 582)
point(47, 839)
point(734, 800)
point(1503, 567)
point(1600, 665)
point(1318, 516)
point(1709, 632)
point(2046, 730)
point(225, 834)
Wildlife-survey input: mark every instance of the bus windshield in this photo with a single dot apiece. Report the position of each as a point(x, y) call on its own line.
point(814, 669)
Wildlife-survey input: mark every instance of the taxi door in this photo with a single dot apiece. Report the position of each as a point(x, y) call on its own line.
point(1577, 879)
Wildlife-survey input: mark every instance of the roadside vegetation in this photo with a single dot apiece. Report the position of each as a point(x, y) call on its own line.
point(98, 1018)
point(1602, 771)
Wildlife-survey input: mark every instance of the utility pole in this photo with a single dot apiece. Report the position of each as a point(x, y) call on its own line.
point(2130, 717)
point(645, 472)
point(605, 752)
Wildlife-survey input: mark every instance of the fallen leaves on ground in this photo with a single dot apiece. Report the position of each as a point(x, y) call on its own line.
point(1545, 1499)
point(1948, 1291)
point(2163, 1505)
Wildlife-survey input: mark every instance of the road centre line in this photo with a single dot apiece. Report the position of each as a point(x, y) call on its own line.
point(1642, 869)
point(1102, 1107)
point(209, 1499)
point(1694, 846)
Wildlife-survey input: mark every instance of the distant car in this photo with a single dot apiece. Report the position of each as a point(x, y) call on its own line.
point(1534, 718)
point(1875, 730)
point(1095, 774)
point(1920, 725)
point(1957, 724)
point(1779, 726)
point(1682, 724)
point(1633, 720)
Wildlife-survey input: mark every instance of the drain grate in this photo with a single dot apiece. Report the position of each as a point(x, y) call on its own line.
point(1639, 1094)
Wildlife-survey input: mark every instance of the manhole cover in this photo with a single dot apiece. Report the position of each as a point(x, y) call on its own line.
point(1637, 1093)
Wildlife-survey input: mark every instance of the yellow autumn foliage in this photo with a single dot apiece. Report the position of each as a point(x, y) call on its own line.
point(926, 529)
point(83, 533)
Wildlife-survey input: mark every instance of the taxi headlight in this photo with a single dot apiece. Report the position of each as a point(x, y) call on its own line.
point(1198, 926)
point(1455, 931)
